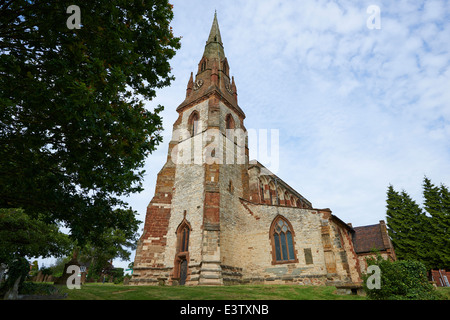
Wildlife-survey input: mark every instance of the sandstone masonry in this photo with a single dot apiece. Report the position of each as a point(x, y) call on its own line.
point(217, 218)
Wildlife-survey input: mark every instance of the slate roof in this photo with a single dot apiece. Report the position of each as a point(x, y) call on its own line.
point(367, 238)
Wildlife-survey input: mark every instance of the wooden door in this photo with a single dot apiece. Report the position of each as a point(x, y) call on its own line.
point(183, 272)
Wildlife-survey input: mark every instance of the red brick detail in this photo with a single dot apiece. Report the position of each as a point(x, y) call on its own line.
point(440, 277)
point(212, 199)
point(211, 214)
point(157, 218)
point(249, 210)
point(255, 196)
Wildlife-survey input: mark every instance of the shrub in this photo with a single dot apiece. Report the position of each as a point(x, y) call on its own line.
point(117, 274)
point(401, 280)
point(38, 289)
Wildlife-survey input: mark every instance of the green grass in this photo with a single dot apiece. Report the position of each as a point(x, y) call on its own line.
point(445, 292)
point(243, 292)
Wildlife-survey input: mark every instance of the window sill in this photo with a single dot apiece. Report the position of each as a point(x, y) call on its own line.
point(285, 261)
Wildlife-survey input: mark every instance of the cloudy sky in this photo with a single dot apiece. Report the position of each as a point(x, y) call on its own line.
point(356, 108)
point(358, 105)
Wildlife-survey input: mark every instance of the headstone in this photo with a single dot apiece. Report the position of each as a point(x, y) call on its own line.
point(40, 277)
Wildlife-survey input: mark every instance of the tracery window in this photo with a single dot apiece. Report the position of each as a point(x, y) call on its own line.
point(282, 241)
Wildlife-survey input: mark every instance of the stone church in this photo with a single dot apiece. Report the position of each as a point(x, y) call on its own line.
point(217, 218)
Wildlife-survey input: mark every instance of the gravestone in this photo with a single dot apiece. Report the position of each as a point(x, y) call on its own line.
point(39, 277)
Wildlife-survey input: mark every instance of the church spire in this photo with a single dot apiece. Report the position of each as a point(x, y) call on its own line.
point(213, 74)
point(214, 34)
point(214, 45)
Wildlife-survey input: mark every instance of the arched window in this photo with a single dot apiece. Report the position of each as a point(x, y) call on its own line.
point(203, 65)
point(287, 199)
point(282, 237)
point(183, 231)
point(184, 240)
point(229, 121)
point(279, 193)
point(193, 123)
point(272, 192)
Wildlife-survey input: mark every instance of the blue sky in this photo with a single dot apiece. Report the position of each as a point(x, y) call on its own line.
point(356, 108)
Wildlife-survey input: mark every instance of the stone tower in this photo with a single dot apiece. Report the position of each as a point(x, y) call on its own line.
point(185, 237)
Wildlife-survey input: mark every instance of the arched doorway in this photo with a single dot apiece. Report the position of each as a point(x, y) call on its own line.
point(181, 269)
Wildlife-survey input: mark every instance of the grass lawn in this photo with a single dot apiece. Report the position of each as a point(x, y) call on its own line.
point(94, 291)
point(445, 291)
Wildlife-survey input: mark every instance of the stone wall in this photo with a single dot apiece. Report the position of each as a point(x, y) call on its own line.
point(246, 244)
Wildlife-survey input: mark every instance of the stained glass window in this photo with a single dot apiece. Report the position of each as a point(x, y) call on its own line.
point(283, 241)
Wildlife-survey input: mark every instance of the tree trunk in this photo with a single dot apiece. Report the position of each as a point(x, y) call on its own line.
point(13, 293)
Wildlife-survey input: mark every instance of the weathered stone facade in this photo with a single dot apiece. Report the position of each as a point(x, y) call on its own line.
point(216, 218)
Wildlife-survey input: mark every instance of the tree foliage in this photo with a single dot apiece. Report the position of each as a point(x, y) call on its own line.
point(74, 132)
point(405, 221)
point(400, 280)
point(437, 205)
point(22, 236)
point(420, 233)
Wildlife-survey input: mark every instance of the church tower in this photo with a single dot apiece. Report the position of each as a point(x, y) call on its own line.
point(203, 179)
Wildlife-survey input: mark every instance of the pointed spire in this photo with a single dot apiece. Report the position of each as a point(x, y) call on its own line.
point(214, 45)
point(213, 75)
point(233, 88)
point(214, 34)
point(190, 85)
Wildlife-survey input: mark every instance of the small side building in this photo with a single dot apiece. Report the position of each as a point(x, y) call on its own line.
point(366, 239)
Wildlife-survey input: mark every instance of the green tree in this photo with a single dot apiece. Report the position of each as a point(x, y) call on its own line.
point(22, 236)
point(114, 244)
point(405, 222)
point(437, 204)
point(57, 267)
point(74, 132)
